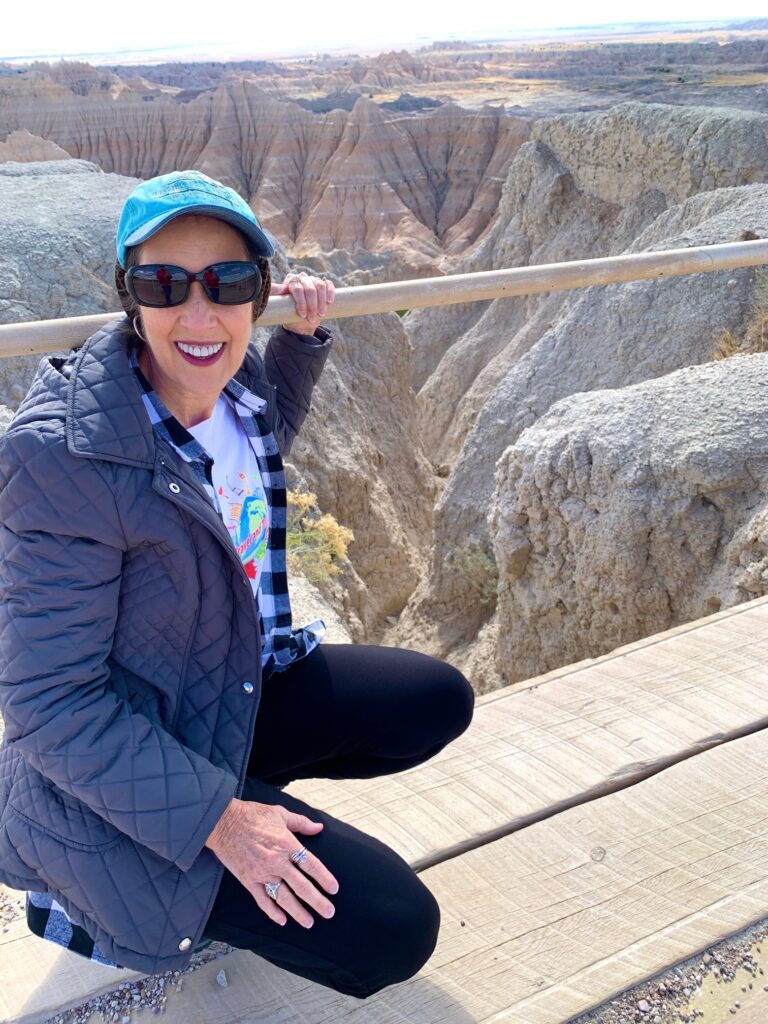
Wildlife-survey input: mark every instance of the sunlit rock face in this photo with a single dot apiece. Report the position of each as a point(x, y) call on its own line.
point(422, 185)
point(622, 513)
point(22, 146)
point(583, 186)
point(486, 374)
point(57, 249)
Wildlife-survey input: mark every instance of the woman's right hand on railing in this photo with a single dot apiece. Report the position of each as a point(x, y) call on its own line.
point(255, 841)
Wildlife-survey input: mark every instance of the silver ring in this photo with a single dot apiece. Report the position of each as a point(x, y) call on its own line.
point(299, 856)
point(272, 888)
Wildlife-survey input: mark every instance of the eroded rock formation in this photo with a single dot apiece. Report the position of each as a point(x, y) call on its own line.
point(21, 145)
point(583, 185)
point(421, 184)
point(359, 452)
point(57, 238)
point(622, 513)
point(512, 394)
point(506, 365)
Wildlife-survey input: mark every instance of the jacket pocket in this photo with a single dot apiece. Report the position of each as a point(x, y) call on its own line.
point(48, 810)
point(14, 871)
point(121, 893)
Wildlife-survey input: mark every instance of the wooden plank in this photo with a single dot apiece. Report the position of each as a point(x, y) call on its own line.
point(572, 735)
point(38, 978)
point(555, 919)
point(54, 335)
point(567, 913)
point(568, 737)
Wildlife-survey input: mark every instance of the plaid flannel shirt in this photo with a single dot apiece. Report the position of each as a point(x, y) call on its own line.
point(281, 645)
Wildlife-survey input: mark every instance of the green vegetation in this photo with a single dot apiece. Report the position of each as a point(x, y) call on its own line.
point(315, 543)
point(755, 337)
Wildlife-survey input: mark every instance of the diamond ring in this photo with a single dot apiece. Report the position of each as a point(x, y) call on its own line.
point(272, 888)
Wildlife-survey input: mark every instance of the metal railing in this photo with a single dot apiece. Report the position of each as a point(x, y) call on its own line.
point(39, 336)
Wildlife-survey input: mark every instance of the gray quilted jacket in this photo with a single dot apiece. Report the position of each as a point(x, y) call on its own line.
point(128, 633)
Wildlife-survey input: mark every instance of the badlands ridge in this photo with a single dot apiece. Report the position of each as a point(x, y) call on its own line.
point(530, 481)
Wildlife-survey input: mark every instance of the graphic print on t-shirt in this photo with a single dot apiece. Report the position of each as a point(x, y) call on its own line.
point(245, 514)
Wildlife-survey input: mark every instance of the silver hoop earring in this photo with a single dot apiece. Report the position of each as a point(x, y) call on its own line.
point(136, 328)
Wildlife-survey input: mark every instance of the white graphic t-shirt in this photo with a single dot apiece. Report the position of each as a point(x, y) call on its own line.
point(238, 485)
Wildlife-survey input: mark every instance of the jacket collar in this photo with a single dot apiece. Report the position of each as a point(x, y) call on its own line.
point(105, 415)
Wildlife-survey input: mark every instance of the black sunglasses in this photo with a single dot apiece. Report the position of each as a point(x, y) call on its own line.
point(162, 285)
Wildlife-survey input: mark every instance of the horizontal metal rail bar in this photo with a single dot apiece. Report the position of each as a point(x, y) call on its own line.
point(55, 335)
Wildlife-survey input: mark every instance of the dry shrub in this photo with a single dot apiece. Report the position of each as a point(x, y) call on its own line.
point(315, 542)
point(756, 333)
point(477, 565)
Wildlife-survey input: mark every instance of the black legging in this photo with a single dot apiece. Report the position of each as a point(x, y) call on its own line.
point(347, 711)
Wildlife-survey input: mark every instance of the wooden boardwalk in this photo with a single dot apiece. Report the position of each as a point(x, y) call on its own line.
point(592, 827)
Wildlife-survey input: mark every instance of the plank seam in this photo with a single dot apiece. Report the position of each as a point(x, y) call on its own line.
point(603, 789)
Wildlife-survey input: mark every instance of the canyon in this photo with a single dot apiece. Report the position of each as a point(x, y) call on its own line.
point(559, 474)
point(414, 186)
point(402, 155)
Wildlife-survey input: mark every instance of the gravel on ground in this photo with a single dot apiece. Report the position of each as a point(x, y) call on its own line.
point(709, 988)
point(11, 906)
point(146, 996)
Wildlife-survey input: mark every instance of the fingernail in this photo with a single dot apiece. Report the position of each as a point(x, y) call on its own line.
point(333, 889)
point(309, 925)
point(329, 912)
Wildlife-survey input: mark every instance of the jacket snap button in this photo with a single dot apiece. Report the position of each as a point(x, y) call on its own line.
point(174, 487)
point(185, 944)
point(248, 687)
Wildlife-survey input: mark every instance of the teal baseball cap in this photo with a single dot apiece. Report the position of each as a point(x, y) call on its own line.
point(155, 202)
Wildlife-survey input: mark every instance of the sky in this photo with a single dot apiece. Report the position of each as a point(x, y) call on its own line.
point(249, 28)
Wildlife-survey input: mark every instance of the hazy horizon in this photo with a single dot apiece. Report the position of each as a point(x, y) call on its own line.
point(168, 37)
